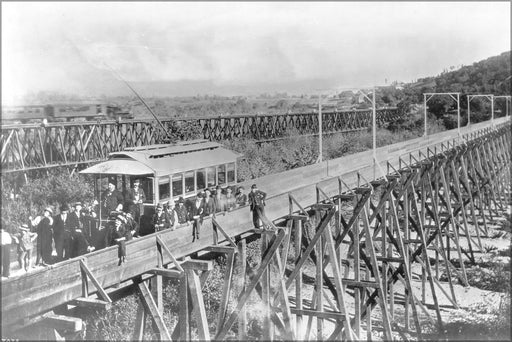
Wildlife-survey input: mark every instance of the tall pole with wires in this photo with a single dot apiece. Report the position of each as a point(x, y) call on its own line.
point(320, 130)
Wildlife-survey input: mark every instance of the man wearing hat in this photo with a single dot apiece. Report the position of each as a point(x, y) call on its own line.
point(181, 211)
point(134, 198)
point(241, 198)
point(195, 213)
point(257, 205)
point(171, 215)
point(61, 231)
point(110, 199)
point(160, 219)
point(26, 244)
point(132, 227)
point(44, 237)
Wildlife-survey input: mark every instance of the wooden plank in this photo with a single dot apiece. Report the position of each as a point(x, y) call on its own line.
point(92, 303)
point(200, 265)
point(166, 273)
point(314, 313)
point(64, 323)
point(226, 235)
point(168, 251)
point(152, 309)
point(219, 249)
point(95, 282)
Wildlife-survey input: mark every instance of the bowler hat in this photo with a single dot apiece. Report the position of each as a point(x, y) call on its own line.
point(254, 186)
point(64, 207)
point(181, 200)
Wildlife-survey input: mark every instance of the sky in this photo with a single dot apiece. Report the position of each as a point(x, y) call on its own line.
point(179, 49)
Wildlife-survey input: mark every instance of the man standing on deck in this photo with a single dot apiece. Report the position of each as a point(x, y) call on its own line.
point(61, 232)
point(134, 199)
point(257, 205)
point(110, 199)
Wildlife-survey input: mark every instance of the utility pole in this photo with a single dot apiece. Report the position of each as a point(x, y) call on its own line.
point(320, 131)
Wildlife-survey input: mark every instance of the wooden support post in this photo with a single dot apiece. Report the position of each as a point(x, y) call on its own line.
point(198, 304)
point(242, 298)
point(265, 285)
point(242, 319)
point(152, 309)
point(226, 289)
point(299, 332)
point(140, 323)
point(184, 315)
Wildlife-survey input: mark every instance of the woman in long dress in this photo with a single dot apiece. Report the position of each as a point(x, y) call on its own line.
point(44, 236)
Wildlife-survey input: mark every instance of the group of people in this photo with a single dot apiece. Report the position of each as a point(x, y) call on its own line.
point(69, 231)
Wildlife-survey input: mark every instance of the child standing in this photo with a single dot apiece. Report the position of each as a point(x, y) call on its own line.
point(25, 247)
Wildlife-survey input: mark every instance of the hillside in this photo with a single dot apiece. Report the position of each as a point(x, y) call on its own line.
point(490, 76)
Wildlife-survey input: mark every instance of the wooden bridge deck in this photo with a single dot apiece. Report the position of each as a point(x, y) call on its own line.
point(38, 292)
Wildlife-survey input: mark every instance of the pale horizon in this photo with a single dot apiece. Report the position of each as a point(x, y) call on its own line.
point(179, 49)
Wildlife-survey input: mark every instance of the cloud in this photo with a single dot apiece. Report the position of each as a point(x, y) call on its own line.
point(64, 46)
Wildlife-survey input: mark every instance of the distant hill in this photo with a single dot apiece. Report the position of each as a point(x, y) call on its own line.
point(490, 76)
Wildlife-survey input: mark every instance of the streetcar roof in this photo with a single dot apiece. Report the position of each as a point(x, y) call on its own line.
point(161, 160)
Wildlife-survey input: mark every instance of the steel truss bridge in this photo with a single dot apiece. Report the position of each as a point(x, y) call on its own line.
point(351, 230)
point(31, 146)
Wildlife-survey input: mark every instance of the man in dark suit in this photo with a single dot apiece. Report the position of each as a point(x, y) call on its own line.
point(160, 219)
point(110, 199)
point(256, 200)
point(61, 232)
point(80, 242)
point(196, 212)
point(135, 196)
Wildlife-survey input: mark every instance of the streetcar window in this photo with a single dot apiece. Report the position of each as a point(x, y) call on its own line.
point(221, 174)
point(201, 179)
point(231, 172)
point(164, 189)
point(211, 178)
point(177, 185)
point(189, 182)
point(147, 185)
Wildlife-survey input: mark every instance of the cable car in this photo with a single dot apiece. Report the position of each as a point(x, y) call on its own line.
point(166, 172)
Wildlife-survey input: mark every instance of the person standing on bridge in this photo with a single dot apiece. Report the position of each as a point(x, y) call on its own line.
point(230, 199)
point(61, 231)
point(241, 198)
point(110, 199)
point(181, 211)
point(160, 219)
point(6, 240)
point(257, 205)
point(134, 199)
point(44, 236)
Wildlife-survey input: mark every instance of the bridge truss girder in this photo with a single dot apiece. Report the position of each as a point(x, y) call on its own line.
point(31, 147)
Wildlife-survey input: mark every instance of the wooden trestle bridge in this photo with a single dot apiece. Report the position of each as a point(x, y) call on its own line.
point(32, 146)
point(355, 227)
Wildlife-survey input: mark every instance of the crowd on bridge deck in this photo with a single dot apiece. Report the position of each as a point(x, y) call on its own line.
point(70, 232)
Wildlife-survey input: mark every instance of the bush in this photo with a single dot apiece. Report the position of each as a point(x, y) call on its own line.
point(32, 197)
